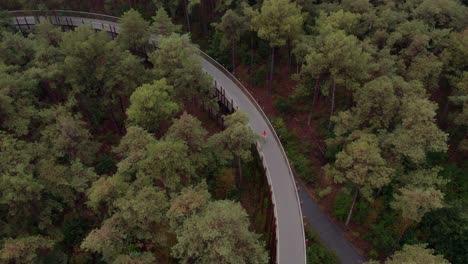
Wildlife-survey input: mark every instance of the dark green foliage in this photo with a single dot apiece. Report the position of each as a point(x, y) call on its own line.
point(295, 150)
point(217, 51)
point(4, 20)
point(75, 228)
point(260, 74)
point(342, 204)
point(448, 227)
point(361, 214)
point(283, 105)
point(394, 63)
point(448, 232)
point(105, 164)
point(382, 234)
point(69, 191)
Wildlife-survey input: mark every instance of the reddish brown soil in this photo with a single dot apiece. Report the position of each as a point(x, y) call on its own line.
point(311, 137)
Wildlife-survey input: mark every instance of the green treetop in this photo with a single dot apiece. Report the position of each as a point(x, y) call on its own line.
point(152, 104)
point(189, 130)
point(162, 24)
point(132, 149)
point(18, 103)
point(236, 140)
point(417, 254)
point(175, 60)
point(139, 216)
point(67, 136)
point(220, 233)
point(361, 163)
point(338, 59)
point(167, 163)
point(190, 201)
point(134, 32)
point(24, 250)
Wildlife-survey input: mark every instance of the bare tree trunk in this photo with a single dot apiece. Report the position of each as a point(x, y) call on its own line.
point(332, 108)
point(251, 56)
point(289, 58)
point(350, 213)
point(114, 120)
point(122, 107)
point(203, 17)
point(239, 165)
point(402, 233)
point(233, 43)
point(187, 18)
point(272, 68)
point(309, 118)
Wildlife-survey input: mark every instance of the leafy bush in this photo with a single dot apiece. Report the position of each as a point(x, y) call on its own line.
point(105, 164)
point(331, 151)
point(317, 252)
point(243, 52)
point(343, 201)
point(382, 234)
point(283, 105)
point(300, 161)
point(217, 52)
point(295, 150)
point(362, 211)
point(260, 75)
point(324, 192)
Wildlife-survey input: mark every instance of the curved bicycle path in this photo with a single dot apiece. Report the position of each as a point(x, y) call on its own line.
point(289, 222)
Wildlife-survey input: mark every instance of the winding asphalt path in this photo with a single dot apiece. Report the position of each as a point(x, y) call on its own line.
point(287, 209)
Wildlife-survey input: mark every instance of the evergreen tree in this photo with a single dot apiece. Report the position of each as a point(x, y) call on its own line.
point(162, 24)
point(232, 25)
point(278, 22)
point(151, 105)
point(361, 164)
point(220, 233)
point(417, 254)
point(134, 32)
point(175, 60)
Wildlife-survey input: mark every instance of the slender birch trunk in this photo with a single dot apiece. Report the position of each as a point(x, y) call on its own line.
point(350, 213)
point(272, 68)
point(332, 108)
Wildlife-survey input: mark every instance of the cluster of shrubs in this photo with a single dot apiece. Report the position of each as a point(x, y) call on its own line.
point(296, 151)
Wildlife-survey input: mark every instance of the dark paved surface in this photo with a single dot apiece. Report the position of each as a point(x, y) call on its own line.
point(329, 233)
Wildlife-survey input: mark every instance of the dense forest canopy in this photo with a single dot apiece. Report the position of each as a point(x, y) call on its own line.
point(383, 83)
point(100, 163)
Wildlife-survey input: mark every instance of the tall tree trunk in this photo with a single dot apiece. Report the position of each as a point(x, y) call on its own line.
point(350, 213)
point(251, 56)
point(203, 17)
point(239, 165)
point(272, 69)
point(114, 120)
point(400, 236)
point(233, 43)
point(187, 18)
point(332, 108)
point(122, 107)
point(289, 58)
point(309, 118)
